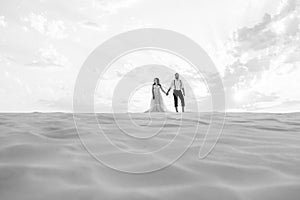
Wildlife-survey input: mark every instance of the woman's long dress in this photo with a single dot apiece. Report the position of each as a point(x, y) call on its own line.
point(157, 104)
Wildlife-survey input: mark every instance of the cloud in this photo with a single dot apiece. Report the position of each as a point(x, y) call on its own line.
point(265, 59)
point(61, 104)
point(283, 107)
point(271, 31)
point(49, 57)
point(3, 23)
point(113, 6)
point(51, 28)
point(95, 26)
point(6, 59)
point(14, 79)
point(134, 23)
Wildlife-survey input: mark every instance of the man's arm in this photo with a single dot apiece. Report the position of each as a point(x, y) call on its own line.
point(183, 91)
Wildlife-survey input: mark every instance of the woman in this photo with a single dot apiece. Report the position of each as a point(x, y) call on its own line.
point(157, 104)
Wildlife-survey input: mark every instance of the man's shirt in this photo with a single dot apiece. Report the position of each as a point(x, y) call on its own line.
point(176, 84)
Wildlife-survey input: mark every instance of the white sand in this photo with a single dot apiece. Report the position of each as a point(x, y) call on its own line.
point(257, 157)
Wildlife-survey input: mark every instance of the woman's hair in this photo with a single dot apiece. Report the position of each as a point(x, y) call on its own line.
point(157, 80)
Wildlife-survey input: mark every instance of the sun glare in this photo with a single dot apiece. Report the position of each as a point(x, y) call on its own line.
point(279, 27)
point(240, 96)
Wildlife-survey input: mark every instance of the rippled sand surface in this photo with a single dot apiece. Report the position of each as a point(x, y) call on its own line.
point(42, 157)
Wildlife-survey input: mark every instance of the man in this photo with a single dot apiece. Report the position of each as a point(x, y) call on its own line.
point(178, 91)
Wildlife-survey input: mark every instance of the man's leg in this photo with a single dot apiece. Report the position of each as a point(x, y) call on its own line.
point(181, 100)
point(175, 101)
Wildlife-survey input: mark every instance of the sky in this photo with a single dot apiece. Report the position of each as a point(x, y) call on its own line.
point(255, 45)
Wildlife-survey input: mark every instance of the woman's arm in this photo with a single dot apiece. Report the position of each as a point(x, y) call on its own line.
point(153, 92)
point(170, 88)
point(162, 89)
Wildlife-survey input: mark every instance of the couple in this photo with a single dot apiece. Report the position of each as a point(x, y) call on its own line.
point(157, 104)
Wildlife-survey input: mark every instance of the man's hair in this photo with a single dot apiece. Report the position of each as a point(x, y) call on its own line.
point(176, 73)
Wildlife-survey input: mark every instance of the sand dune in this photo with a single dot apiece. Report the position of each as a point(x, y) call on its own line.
point(42, 157)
